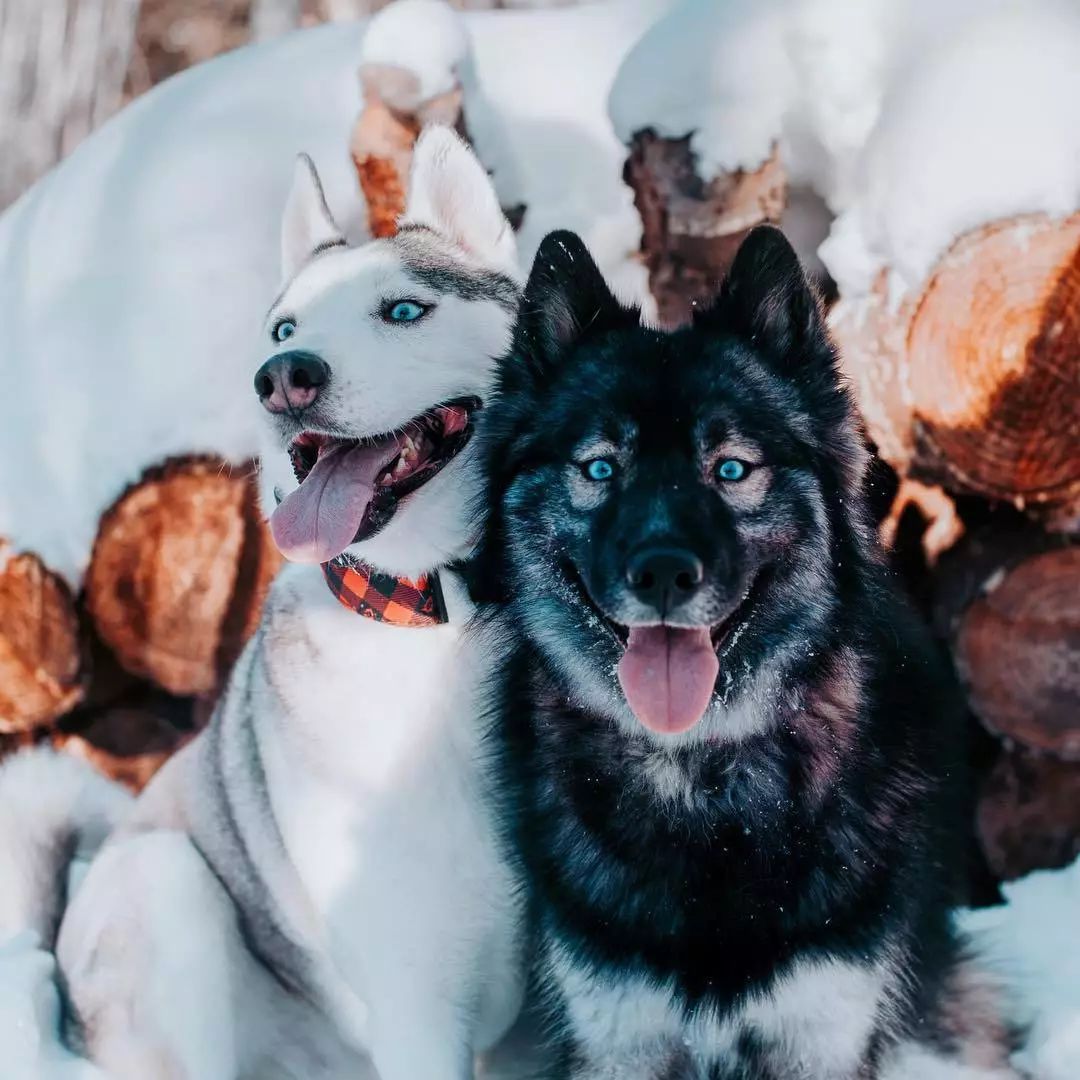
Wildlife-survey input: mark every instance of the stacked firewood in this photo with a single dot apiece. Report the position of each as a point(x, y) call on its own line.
point(122, 671)
point(970, 391)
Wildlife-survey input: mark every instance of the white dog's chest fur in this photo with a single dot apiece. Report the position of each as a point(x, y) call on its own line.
point(373, 770)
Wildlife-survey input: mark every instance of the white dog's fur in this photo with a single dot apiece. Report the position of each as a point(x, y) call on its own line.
point(312, 887)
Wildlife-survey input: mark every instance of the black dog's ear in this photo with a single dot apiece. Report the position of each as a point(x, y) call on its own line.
point(767, 298)
point(565, 297)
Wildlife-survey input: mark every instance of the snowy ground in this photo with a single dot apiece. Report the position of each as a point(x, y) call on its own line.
point(1033, 942)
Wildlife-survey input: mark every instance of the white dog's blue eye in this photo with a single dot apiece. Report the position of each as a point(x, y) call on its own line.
point(731, 469)
point(283, 330)
point(405, 311)
point(599, 469)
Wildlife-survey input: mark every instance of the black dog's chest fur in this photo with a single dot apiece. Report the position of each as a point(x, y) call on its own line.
point(720, 882)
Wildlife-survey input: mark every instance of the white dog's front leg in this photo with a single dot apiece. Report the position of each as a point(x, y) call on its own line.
point(149, 950)
point(406, 1045)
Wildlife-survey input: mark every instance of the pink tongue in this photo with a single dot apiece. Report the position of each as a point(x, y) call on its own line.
point(318, 521)
point(668, 675)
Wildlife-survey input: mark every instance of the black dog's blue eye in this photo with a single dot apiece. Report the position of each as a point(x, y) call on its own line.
point(599, 469)
point(404, 311)
point(731, 469)
point(283, 330)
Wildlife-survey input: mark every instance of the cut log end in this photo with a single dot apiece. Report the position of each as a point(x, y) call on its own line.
point(40, 653)
point(691, 228)
point(1015, 634)
point(997, 392)
point(178, 574)
point(973, 384)
point(1029, 814)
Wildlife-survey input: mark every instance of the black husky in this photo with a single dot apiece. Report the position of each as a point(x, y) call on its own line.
point(730, 754)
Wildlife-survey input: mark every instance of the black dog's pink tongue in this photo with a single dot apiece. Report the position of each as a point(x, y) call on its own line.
point(668, 675)
point(318, 521)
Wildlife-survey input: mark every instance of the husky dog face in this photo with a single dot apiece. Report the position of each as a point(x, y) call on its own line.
point(664, 498)
point(376, 359)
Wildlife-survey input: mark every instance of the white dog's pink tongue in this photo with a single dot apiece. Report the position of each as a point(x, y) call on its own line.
point(668, 675)
point(318, 521)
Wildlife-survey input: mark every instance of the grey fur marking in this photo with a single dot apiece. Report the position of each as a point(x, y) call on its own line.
point(430, 260)
point(231, 860)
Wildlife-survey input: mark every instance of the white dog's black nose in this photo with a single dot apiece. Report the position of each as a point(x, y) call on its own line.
point(664, 576)
point(291, 381)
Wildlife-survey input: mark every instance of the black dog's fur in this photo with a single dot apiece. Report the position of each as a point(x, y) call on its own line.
point(811, 814)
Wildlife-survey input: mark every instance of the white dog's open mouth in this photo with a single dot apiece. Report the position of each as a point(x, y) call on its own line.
point(350, 488)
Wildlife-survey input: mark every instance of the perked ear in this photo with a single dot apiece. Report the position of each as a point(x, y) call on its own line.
point(766, 296)
point(307, 223)
point(451, 193)
point(565, 296)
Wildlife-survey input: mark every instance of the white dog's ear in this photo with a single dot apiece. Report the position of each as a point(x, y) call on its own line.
point(450, 192)
point(307, 224)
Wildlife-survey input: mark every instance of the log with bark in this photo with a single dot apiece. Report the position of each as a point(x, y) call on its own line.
point(1009, 604)
point(1029, 814)
point(40, 652)
point(179, 572)
point(386, 132)
point(691, 227)
point(973, 383)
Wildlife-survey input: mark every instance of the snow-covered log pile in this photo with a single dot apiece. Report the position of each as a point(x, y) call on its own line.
point(942, 140)
point(934, 149)
point(134, 559)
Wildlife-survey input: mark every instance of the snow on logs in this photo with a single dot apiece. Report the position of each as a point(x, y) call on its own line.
point(703, 164)
point(411, 56)
point(692, 226)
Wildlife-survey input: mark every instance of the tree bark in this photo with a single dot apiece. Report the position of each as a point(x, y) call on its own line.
point(385, 134)
point(691, 228)
point(62, 70)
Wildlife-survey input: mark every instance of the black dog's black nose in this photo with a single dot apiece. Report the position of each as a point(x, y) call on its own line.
point(291, 381)
point(664, 576)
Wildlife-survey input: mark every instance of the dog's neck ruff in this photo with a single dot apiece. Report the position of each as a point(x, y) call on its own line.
point(383, 597)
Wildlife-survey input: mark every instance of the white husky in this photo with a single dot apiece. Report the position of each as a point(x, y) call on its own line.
point(312, 887)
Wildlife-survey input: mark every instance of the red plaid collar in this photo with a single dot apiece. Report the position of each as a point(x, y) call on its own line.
point(386, 598)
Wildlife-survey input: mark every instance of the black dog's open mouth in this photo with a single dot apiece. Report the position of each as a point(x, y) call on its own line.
point(351, 488)
point(719, 632)
point(668, 672)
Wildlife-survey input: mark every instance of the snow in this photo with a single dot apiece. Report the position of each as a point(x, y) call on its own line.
point(914, 120)
point(732, 86)
point(30, 1016)
point(426, 36)
point(983, 126)
point(1033, 942)
point(135, 276)
point(536, 110)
